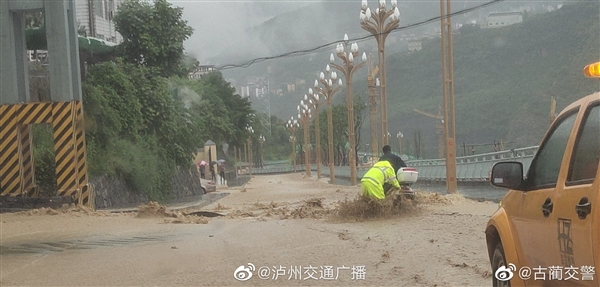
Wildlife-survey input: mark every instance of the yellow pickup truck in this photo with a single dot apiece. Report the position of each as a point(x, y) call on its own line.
point(547, 229)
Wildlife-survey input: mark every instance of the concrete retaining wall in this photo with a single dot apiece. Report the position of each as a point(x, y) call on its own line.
point(113, 192)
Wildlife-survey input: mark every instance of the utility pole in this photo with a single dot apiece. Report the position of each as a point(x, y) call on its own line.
point(448, 95)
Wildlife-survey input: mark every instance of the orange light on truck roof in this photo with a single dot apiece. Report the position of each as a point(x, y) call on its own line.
point(592, 70)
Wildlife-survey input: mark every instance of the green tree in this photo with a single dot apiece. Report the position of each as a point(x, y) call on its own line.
point(137, 125)
point(111, 106)
point(45, 165)
point(153, 35)
point(189, 63)
point(225, 114)
point(340, 128)
point(360, 111)
point(135, 128)
point(34, 19)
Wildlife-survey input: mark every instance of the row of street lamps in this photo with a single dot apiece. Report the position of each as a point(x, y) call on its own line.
point(379, 22)
point(376, 22)
point(261, 141)
point(325, 87)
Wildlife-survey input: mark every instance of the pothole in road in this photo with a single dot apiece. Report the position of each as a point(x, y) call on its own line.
point(205, 213)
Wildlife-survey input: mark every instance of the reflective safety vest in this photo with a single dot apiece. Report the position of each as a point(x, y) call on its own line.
point(380, 173)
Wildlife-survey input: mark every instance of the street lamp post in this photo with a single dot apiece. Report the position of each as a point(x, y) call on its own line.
point(304, 117)
point(327, 91)
point(249, 154)
point(348, 68)
point(261, 140)
point(372, 107)
point(400, 135)
point(314, 105)
point(376, 23)
point(292, 125)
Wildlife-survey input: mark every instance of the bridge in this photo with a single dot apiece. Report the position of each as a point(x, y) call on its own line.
point(473, 168)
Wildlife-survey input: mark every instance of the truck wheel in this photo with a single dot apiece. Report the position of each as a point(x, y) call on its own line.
point(203, 190)
point(499, 260)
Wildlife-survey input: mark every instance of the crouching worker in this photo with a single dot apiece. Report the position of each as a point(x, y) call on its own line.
point(372, 183)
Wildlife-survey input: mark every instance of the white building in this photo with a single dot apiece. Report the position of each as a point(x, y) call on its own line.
point(200, 71)
point(254, 87)
point(501, 19)
point(96, 17)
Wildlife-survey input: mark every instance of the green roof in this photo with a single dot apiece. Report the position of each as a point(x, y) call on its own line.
point(35, 39)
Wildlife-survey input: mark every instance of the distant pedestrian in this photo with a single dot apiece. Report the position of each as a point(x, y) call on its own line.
point(213, 177)
point(203, 171)
point(222, 173)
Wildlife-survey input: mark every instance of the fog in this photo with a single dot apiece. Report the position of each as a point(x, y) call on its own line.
point(235, 31)
point(221, 28)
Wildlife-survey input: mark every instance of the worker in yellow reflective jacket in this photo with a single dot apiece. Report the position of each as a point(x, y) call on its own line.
point(372, 182)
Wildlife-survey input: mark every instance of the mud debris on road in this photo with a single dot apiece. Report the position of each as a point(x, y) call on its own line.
point(433, 240)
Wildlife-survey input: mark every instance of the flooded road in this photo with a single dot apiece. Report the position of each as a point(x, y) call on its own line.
point(477, 191)
point(79, 244)
point(269, 224)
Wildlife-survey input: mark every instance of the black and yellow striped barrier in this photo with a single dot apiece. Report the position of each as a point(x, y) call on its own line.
point(9, 152)
point(16, 156)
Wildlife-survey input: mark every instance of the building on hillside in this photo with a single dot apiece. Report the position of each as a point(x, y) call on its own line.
point(502, 19)
point(95, 17)
point(254, 87)
point(201, 71)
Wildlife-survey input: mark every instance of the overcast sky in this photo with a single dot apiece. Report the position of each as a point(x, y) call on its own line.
point(220, 25)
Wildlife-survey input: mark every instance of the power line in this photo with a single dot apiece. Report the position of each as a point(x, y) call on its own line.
point(359, 39)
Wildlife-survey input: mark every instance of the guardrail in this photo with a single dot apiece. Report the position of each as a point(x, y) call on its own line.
point(473, 168)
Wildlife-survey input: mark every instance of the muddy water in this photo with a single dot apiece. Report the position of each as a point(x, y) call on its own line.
point(77, 244)
point(478, 191)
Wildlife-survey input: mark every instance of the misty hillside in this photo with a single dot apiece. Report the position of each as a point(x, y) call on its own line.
point(504, 78)
point(321, 22)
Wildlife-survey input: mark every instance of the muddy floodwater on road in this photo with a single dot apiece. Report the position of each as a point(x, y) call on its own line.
point(277, 230)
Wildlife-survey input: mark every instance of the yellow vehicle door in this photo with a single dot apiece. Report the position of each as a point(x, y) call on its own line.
point(536, 218)
point(576, 205)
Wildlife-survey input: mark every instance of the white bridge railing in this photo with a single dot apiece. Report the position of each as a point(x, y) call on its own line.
point(473, 168)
